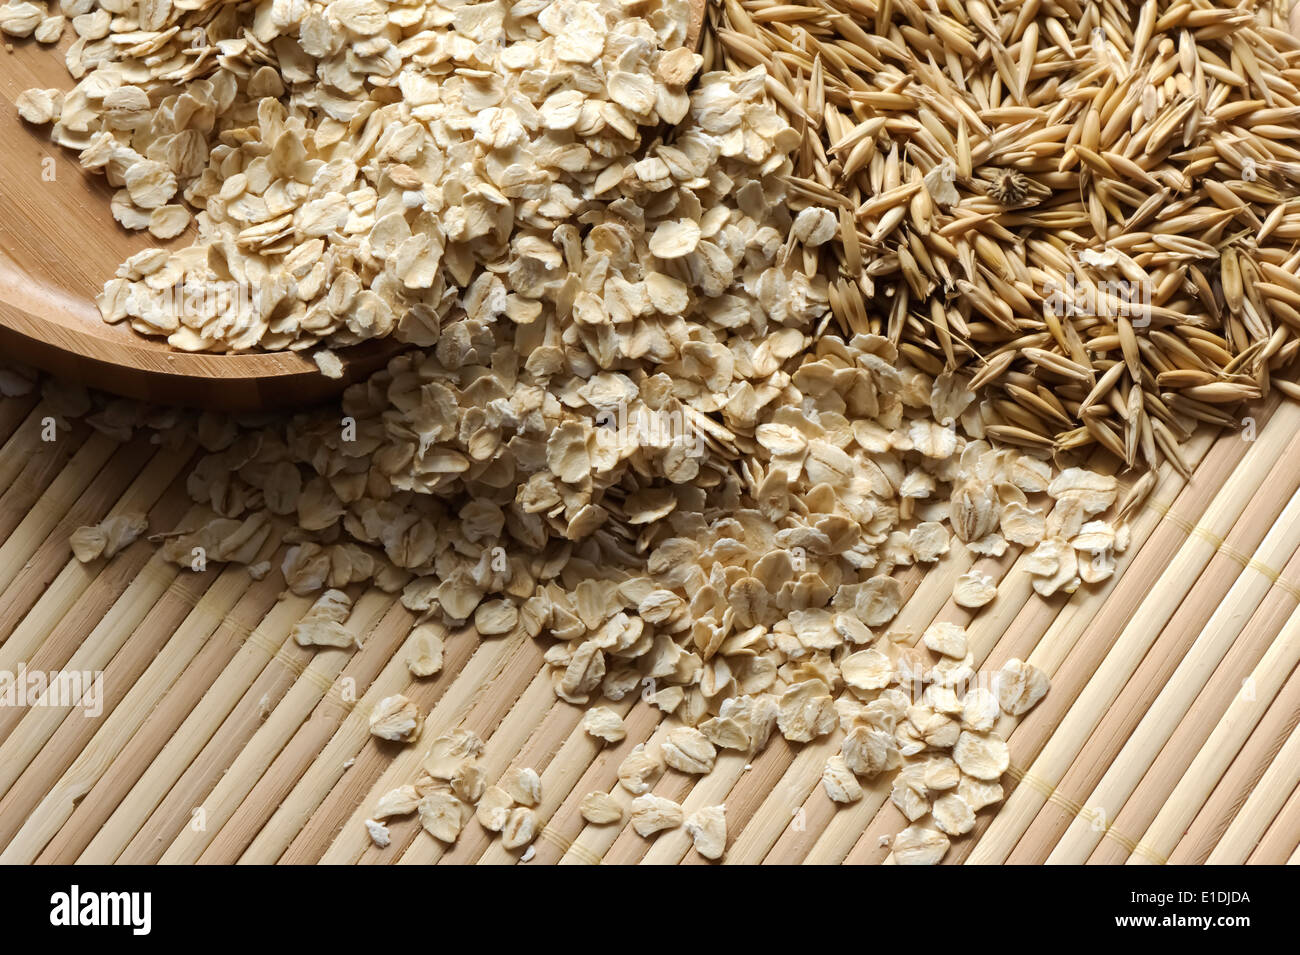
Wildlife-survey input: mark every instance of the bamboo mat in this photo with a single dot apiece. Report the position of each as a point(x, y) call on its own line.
point(1169, 735)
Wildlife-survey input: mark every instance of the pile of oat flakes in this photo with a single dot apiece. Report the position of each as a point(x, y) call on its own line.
point(630, 427)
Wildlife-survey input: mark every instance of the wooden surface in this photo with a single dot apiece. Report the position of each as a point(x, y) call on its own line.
point(59, 243)
point(1173, 711)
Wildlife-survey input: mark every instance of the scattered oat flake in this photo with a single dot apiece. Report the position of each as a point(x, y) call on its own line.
point(395, 718)
point(378, 833)
point(651, 814)
point(708, 830)
point(600, 809)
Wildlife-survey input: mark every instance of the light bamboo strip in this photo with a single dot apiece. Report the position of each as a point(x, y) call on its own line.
point(160, 775)
point(13, 411)
point(1264, 628)
point(154, 732)
point(747, 800)
point(535, 731)
point(593, 842)
point(343, 774)
point(648, 850)
point(53, 506)
point(1228, 737)
point(55, 602)
point(483, 718)
point(533, 734)
point(473, 681)
point(1278, 781)
point(1164, 596)
point(784, 802)
point(561, 798)
point(317, 679)
point(711, 790)
point(1177, 696)
point(41, 825)
point(1282, 836)
point(1043, 633)
point(306, 744)
point(333, 761)
point(992, 640)
point(21, 429)
point(839, 831)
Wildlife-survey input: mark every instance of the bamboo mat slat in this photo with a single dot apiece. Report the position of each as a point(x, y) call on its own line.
point(1282, 836)
point(1175, 700)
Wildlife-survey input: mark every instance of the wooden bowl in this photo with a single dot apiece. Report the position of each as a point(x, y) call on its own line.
point(58, 245)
